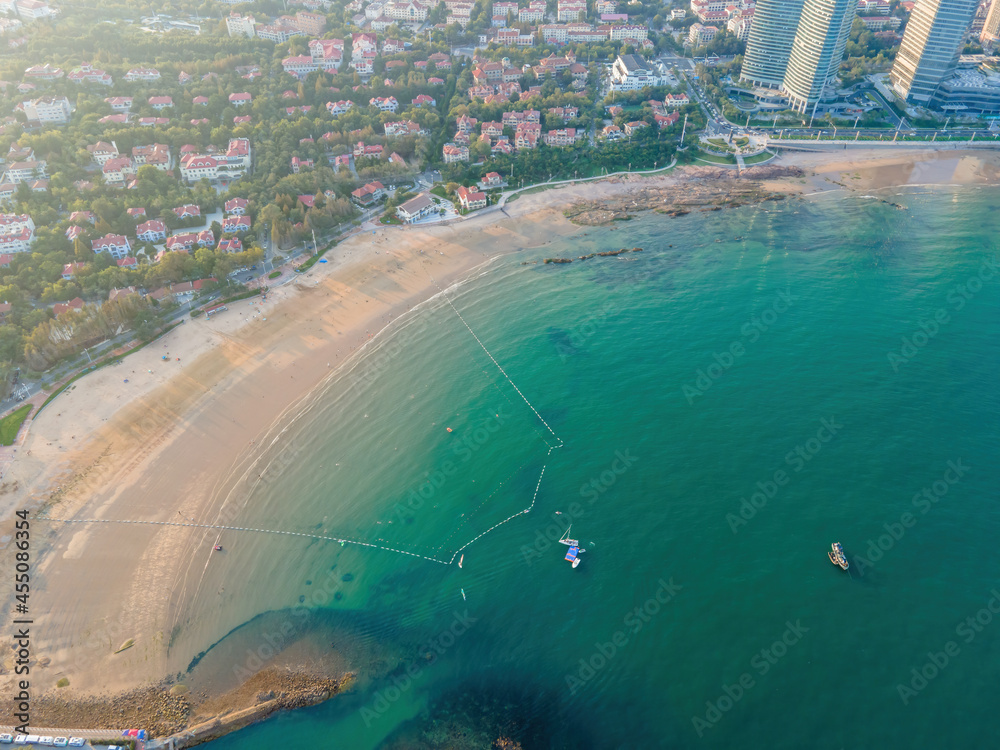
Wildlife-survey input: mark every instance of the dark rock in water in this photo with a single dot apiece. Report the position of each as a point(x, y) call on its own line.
point(347, 577)
point(558, 260)
point(338, 596)
point(302, 598)
point(308, 582)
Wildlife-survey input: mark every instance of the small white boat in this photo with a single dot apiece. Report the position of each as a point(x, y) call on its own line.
point(460, 560)
point(463, 595)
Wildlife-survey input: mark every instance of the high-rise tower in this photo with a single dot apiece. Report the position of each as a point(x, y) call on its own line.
point(931, 45)
point(991, 29)
point(818, 50)
point(770, 42)
point(797, 47)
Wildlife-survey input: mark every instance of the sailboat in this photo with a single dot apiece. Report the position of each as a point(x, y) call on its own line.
point(574, 551)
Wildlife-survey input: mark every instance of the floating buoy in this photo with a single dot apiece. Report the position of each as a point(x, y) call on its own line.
point(448, 428)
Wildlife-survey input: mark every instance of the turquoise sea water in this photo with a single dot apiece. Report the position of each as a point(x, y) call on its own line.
point(742, 352)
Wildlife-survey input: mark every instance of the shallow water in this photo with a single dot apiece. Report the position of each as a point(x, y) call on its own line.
point(742, 352)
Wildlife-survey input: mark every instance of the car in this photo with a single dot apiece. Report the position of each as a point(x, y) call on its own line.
point(20, 739)
point(77, 742)
point(61, 742)
point(47, 741)
point(253, 268)
point(6, 739)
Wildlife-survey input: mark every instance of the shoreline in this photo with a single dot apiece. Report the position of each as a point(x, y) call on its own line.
point(238, 379)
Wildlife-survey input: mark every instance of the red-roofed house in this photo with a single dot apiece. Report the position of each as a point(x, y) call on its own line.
point(153, 230)
point(63, 307)
point(369, 194)
point(235, 224)
point(240, 99)
point(185, 212)
point(115, 244)
point(236, 206)
point(184, 241)
point(470, 199)
point(70, 270)
point(135, 212)
point(160, 102)
point(231, 245)
point(423, 99)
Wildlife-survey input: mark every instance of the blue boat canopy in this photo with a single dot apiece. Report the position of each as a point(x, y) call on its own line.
point(571, 553)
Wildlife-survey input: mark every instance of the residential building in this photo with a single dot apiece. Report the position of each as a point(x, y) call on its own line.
point(115, 244)
point(157, 155)
point(238, 25)
point(153, 230)
point(143, 74)
point(236, 224)
point(400, 129)
point(116, 170)
point(636, 125)
point(238, 100)
point(990, 34)
point(25, 171)
point(300, 65)
point(405, 10)
point(183, 242)
point(327, 53)
point(339, 108)
point(48, 110)
point(236, 206)
point(384, 103)
point(416, 208)
point(369, 194)
point(700, 35)
point(17, 233)
point(676, 100)
point(770, 42)
point(76, 304)
point(470, 199)
point(70, 270)
point(817, 51)
point(311, 24)
point(932, 42)
point(231, 245)
point(120, 103)
point(136, 213)
point(492, 180)
point(453, 152)
point(562, 137)
point(32, 10)
point(160, 102)
point(44, 72)
point(631, 73)
point(86, 73)
point(188, 211)
point(278, 32)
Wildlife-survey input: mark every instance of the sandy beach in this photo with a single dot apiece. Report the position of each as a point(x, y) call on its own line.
point(166, 445)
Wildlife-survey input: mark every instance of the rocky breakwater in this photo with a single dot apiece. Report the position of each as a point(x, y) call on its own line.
point(268, 691)
point(694, 189)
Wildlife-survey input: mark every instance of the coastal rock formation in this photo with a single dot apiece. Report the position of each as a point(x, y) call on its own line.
point(702, 188)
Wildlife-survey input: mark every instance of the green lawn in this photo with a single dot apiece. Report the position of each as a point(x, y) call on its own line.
point(11, 424)
point(715, 159)
point(758, 158)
